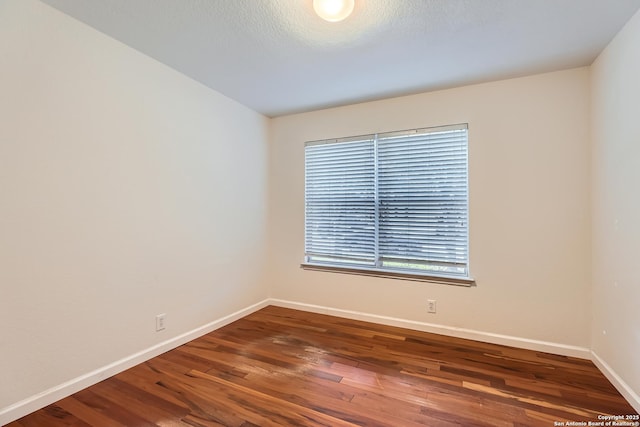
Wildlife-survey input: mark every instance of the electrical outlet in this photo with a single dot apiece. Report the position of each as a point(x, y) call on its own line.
point(161, 322)
point(431, 306)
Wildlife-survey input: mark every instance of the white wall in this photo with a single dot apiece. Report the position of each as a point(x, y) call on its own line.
point(127, 190)
point(529, 210)
point(130, 190)
point(615, 116)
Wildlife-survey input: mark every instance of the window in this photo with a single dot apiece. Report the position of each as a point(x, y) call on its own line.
point(390, 202)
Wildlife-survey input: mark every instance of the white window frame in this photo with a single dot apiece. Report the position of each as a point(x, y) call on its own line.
point(366, 169)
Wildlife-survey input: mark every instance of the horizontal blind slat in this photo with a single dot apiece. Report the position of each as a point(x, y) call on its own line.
point(340, 202)
point(422, 200)
point(422, 190)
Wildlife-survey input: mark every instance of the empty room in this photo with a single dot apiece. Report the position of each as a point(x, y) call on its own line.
point(319, 213)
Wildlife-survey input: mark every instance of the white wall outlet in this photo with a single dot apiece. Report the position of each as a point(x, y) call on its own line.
point(431, 306)
point(161, 321)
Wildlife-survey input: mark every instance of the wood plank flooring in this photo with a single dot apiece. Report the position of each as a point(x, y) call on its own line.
point(282, 367)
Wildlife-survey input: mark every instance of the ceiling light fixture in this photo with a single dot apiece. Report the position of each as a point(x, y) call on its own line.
point(333, 10)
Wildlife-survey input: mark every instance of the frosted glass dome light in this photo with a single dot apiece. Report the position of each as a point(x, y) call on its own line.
point(333, 10)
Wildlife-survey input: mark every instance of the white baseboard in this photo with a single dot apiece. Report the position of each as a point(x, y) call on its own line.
point(63, 390)
point(548, 347)
point(624, 389)
point(543, 346)
point(47, 397)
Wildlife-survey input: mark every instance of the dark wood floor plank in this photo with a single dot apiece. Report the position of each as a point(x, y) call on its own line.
point(143, 377)
point(282, 367)
point(92, 398)
point(87, 414)
point(51, 416)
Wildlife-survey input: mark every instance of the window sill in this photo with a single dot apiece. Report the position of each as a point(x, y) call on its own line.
point(392, 274)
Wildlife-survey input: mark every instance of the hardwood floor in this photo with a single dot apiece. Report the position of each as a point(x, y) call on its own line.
point(281, 367)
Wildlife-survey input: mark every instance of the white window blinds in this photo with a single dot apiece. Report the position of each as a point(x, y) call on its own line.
point(393, 201)
point(340, 201)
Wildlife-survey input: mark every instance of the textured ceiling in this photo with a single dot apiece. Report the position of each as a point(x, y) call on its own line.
point(277, 57)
